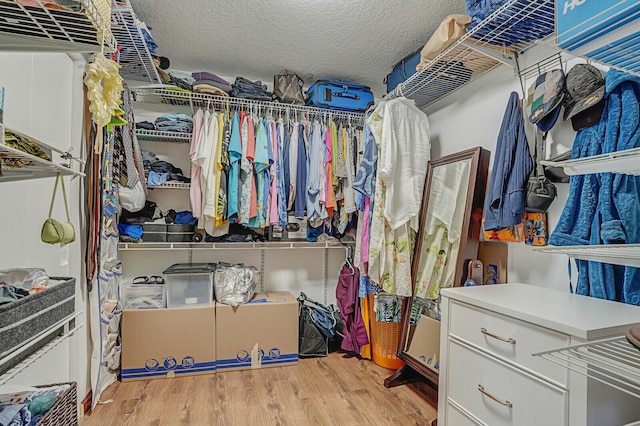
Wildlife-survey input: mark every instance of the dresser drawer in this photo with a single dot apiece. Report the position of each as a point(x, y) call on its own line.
point(489, 331)
point(532, 401)
point(455, 417)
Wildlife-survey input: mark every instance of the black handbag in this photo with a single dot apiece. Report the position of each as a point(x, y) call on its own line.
point(540, 190)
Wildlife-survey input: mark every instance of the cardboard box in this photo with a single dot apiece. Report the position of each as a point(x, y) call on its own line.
point(425, 342)
point(262, 333)
point(158, 343)
point(493, 256)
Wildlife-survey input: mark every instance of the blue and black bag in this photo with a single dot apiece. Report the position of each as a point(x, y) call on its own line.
point(338, 94)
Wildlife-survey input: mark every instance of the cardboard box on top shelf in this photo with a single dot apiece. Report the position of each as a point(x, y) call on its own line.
point(259, 334)
point(493, 256)
point(167, 343)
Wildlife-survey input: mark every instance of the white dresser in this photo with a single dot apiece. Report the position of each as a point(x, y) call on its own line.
point(488, 374)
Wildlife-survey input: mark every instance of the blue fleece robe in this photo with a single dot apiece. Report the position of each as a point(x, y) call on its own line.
point(604, 208)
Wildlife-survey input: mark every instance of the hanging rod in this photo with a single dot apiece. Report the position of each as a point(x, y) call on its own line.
point(203, 100)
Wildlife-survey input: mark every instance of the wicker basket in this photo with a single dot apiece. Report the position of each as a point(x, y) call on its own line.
point(385, 340)
point(65, 410)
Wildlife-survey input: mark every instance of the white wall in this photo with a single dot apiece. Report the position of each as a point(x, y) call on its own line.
point(472, 117)
point(44, 100)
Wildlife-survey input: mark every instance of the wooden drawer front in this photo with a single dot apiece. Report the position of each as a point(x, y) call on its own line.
point(534, 402)
point(455, 417)
point(468, 323)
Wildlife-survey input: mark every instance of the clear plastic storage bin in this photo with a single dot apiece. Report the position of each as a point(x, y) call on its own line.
point(189, 284)
point(144, 296)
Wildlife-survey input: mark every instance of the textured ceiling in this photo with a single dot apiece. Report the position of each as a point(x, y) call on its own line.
point(355, 40)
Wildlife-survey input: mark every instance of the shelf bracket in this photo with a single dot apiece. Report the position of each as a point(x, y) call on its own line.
point(501, 56)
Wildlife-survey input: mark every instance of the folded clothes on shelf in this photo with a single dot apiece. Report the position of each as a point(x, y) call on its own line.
point(245, 88)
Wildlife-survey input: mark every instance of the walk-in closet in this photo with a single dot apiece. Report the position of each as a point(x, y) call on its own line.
point(351, 213)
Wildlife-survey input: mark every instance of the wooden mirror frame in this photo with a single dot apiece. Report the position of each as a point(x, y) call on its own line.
point(413, 368)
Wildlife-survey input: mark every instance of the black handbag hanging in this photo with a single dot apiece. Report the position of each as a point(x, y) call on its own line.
point(540, 190)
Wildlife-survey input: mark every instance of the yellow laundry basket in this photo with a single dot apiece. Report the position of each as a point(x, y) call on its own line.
point(385, 340)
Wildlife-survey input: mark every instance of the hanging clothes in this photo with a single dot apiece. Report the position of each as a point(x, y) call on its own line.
point(401, 131)
point(207, 154)
point(293, 166)
point(235, 156)
point(273, 192)
point(246, 170)
point(302, 168)
point(280, 179)
point(261, 168)
point(221, 175)
point(355, 333)
point(314, 160)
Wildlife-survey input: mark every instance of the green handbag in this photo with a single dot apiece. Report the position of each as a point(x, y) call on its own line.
point(53, 231)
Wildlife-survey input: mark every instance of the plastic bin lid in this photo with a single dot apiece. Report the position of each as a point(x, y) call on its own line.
point(190, 268)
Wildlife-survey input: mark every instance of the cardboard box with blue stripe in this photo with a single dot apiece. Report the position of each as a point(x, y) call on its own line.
point(167, 343)
point(259, 334)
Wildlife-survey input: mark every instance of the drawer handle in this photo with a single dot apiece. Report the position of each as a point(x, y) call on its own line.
point(506, 403)
point(508, 340)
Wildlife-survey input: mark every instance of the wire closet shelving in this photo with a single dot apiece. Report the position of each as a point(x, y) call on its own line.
point(611, 361)
point(194, 100)
point(509, 31)
point(36, 27)
point(267, 245)
point(19, 165)
point(135, 57)
point(162, 136)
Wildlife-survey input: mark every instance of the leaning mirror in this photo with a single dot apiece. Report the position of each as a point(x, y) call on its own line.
point(447, 239)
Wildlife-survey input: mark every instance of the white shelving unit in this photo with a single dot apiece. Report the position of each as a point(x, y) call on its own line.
point(63, 329)
point(160, 136)
point(481, 49)
point(135, 57)
point(19, 165)
point(172, 185)
point(271, 245)
point(41, 28)
point(616, 254)
point(611, 361)
point(623, 162)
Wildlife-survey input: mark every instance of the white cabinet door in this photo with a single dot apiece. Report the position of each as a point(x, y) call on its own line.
point(499, 394)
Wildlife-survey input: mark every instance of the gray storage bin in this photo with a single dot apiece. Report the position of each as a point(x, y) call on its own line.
point(180, 233)
point(154, 232)
point(24, 319)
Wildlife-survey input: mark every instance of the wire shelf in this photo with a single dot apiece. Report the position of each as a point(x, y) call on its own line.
point(612, 361)
point(160, 136)
point(19, 165)
point(510, 30)
point(273, 245)
point(615, 254)
point(41, 28)
point(135, 57)
point(202, 100)
point(171, 185)
point(622, 162)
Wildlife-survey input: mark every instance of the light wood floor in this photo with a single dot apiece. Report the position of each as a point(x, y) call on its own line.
point(319, 391)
